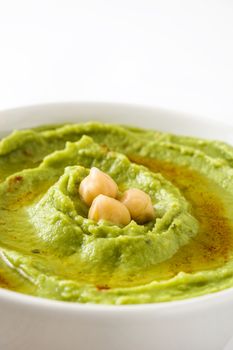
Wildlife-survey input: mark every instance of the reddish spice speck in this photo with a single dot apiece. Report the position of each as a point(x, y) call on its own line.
point(14, 181)
point(105, 287)
point(18, 178)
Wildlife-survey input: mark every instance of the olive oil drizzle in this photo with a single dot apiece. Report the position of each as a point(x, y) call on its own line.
point(212, 247)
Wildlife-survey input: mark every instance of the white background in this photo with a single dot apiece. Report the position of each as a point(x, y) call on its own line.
point(176, 54)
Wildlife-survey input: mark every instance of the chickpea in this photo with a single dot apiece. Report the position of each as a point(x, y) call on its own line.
point(109, 209)
point(139, 205)
point(97, 182)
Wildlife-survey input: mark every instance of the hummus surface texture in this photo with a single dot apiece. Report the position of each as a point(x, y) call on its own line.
point(49, 247)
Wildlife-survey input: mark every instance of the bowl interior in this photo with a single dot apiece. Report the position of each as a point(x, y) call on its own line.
point(145, 117)
point(152, 118)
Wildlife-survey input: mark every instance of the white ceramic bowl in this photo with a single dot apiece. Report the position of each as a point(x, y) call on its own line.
point(29, 323)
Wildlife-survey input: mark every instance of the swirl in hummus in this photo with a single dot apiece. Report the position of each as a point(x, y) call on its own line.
point(50, 248)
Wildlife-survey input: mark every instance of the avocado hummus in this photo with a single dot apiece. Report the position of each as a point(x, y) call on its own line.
point(49, 247)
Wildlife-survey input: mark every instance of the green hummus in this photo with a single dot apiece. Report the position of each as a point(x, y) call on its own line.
point(49, 248)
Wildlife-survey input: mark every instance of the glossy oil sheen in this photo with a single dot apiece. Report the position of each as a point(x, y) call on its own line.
point(211, 248)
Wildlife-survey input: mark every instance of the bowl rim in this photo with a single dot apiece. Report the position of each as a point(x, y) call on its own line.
point(182, 115)
point(44, 303)
point(40, 303)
